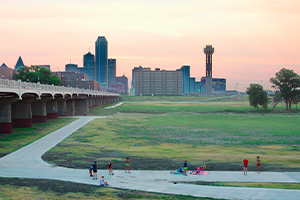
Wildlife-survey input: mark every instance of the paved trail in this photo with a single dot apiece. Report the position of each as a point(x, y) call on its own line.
point(27, 163)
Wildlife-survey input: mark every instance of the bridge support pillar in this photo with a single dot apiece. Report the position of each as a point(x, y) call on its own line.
point(52, 109)
point(70, 107)
point(21, 114)
point(39, 111)
point(61, 107)
point(81, 107)
point(90, 102)
point(5, 118)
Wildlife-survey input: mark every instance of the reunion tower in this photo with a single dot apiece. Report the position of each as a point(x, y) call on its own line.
point(208, 50)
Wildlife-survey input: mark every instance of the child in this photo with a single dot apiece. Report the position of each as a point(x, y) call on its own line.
point(185, 167)
point(127, 163)
point(103, 182)
point(110, 168)
point(258, 164)
point(91, 171)
point(245, 165)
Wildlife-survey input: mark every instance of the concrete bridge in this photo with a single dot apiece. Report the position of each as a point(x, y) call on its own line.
point(23, 103)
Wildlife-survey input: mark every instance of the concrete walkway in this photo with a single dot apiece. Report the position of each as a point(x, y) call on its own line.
point(27, 163)
point(110, 107)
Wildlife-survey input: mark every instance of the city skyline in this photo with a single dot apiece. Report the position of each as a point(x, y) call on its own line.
point(252, 39)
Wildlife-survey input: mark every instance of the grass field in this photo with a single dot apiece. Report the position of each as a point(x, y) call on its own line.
point(162, 136)
point(23, 136)
point(56, 190)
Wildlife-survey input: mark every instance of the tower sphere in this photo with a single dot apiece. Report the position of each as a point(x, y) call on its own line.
point(209, 49)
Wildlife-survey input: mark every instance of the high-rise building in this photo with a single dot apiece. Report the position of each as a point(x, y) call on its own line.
point(19, 63)
point(185, 79)
point(89, 65)
point(101, 61)
point(192, 85)
point(132, 90)
point(157, 82)
point(112, 72)
point(208, 50)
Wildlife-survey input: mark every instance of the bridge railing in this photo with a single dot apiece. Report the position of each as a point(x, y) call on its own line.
point(5, 83)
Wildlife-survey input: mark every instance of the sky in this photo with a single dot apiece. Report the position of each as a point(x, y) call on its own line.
point(253, 39)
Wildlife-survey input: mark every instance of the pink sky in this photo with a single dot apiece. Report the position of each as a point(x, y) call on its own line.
point(253, 39)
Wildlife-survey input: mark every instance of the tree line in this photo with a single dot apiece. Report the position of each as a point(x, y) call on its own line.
point(287, 85)
point(37, 74)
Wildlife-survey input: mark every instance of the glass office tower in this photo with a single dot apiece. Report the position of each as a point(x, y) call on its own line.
point(101, 61)
point(89, 65)
point(112, 64)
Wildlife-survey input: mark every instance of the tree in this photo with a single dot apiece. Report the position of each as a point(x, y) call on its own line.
point(296, 100)
point(288, 82)
point(276, 99)
point(257, 96)
point(36, 74)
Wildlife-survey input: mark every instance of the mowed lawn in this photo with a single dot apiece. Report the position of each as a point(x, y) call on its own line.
point(161, 136)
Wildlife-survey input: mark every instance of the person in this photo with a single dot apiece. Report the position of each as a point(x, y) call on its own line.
point(185, 167)
point(91, 170)
point(103, 182)
point(245, 165)
point(95, 167)
point(127, 163)
point(199, 171)
point(110, 168)
point(258, 164)
point(178, 171)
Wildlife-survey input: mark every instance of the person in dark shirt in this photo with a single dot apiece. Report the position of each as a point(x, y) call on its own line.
point(185, 167)
point(95, 167)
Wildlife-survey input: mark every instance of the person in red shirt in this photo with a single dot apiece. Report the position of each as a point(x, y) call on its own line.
point(245, 165)
point(258, 164)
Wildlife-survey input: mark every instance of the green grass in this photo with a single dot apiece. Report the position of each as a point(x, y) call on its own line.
point(219, 140)
point(165, 98)
point(295, 186)
point(54, 190)
point(23, 136)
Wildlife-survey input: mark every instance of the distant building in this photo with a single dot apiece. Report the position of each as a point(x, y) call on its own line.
point(135, 69)
point(5, 72)
point(123, 80)
point(71, 68)
point(112, 65)
point(185, 79)
point(192, 85)
point(157, 82)
point(197, 87)
point(19, 63)
point(89, 65)
point(218, 85)
point(67, 78)
point(101, 61)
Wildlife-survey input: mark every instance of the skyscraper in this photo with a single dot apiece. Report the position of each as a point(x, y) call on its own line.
point(111, 71)
point(89, 65)
point(101, 61)
point(185, 79)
